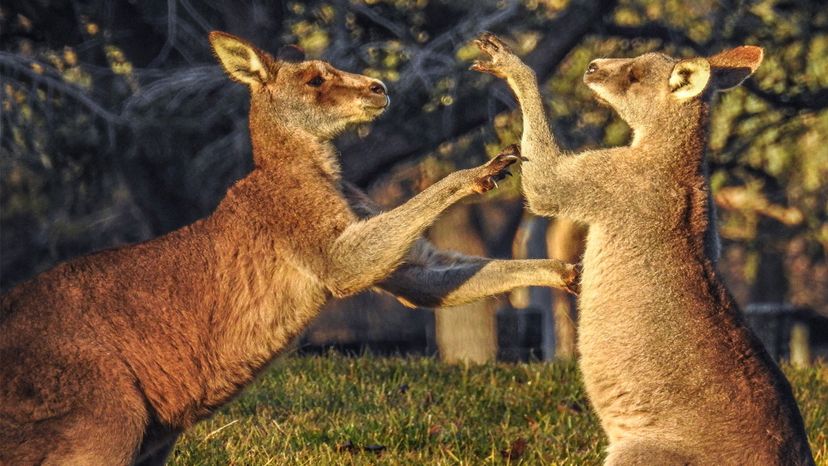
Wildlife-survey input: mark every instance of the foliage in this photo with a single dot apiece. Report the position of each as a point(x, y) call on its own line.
point(336, 410)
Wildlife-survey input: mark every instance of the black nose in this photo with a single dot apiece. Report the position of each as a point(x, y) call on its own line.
point(592, 68)
point(378, 88)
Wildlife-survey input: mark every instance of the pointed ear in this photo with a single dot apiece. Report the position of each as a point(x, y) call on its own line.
point(291, 53)
point(689, 77)
point(240, 59)
point(733, 66)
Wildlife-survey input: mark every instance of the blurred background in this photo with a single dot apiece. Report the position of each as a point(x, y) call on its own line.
point(117, 125)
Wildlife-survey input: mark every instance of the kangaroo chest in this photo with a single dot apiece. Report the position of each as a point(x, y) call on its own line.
point(631, 338)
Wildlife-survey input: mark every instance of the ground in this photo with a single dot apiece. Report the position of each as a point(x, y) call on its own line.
point(332, 409)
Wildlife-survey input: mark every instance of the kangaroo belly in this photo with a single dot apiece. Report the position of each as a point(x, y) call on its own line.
point(661, 361)
point(607, 346)
point(642, 363)
point(640, 360)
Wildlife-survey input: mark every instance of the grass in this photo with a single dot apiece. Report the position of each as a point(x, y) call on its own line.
point(370, 410)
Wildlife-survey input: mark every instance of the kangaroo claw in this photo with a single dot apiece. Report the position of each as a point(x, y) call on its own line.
point(499, 58)
point(497, 169)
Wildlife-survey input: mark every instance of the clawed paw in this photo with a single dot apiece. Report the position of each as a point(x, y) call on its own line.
point(572, 279)
point(497, 169)
point(500, 56)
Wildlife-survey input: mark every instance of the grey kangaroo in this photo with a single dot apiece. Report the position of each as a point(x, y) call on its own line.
point(105, 359)
point(669, 365)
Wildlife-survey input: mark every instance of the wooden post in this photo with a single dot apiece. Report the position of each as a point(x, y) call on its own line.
point(464, 333)
point(566, 242)
point(800, 345)
point(783, 329)
point(530, 243)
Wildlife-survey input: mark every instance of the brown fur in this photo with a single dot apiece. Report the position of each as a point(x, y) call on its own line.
point(669, 365)
point(105, 359)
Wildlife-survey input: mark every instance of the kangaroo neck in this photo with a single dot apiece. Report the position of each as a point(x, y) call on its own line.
point(281, 145)
point(679, 146)
point(679, 139)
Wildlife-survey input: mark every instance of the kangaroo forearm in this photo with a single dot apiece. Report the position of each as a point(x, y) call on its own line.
point(537, 141)
point(524, 84)
point(501, 276)
point(461, 284)
point(542, 156)
point(422, 252)
point(499, 60)
point(537, 144)
point(369, 250)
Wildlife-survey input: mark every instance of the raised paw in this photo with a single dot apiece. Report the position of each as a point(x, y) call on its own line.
point(500, 59)
point(497, 169)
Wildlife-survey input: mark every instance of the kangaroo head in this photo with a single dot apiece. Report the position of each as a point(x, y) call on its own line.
point(646, 89)
point(310, 95)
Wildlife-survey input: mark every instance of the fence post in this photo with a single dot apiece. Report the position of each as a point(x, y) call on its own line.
point(783, 329)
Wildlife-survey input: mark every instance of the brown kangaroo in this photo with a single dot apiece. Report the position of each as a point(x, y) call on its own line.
point(668, 363)
point(105, 359)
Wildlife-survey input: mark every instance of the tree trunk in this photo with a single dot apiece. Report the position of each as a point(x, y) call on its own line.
point(530, 243)
point(771, 282)
point(464, 333)
point(565, 242)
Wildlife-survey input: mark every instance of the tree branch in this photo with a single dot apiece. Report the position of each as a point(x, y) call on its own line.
point(23, 67)
point(388, 144)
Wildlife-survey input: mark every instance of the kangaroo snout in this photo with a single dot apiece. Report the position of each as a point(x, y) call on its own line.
point(599, 70)
point(378, 87)
point(379, 94)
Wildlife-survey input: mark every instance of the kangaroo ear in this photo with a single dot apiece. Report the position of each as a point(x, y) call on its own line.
point(240, 59)
point(733, 66)
point(689, 77)
point(291, 54)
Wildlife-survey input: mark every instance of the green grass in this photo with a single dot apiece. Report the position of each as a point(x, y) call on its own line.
point(337, 410)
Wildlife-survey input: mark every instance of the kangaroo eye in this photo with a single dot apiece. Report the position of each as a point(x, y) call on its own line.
point(316, 81)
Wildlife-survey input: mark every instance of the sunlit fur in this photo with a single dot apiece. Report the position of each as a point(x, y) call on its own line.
point(107, 358)
point(668, 363)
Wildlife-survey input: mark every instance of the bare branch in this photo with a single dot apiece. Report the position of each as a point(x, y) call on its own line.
point(172, 19)
point(23, 66)
point(389, 144)
point(378, 19)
